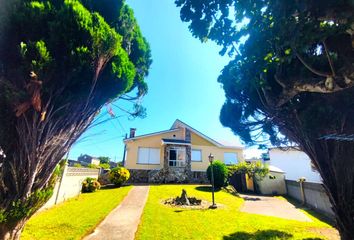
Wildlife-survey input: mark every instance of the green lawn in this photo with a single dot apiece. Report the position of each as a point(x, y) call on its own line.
point(74, 218)
point(163, 222)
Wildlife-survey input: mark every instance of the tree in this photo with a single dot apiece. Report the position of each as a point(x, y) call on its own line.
point(290, 80)
point(104, 159)
point(60, 62)
point(255, 170)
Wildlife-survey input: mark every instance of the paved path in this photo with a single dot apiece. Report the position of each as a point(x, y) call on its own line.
point(123, 221)
point(272, 206)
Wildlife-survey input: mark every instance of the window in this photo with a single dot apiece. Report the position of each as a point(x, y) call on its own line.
point(177, 157)
point(149, 155)
point(196, 155)
point(230, 158)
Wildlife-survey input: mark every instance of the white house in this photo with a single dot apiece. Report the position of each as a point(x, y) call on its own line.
point(294, 163)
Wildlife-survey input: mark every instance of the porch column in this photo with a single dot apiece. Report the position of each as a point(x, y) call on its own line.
point(188, 169)
point(166, 156)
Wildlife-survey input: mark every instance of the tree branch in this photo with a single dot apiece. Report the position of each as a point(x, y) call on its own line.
point(329, 59)
point(319, 73)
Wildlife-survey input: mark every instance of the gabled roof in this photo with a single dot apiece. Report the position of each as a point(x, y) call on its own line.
point(176, 126)
point(151, 134)
point(179, 123)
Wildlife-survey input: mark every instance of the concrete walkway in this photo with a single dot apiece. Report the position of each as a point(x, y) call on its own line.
point(123, 221)
point(272, 206)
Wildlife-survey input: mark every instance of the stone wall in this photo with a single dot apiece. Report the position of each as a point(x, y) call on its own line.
point(187, 135)
point(174, 174)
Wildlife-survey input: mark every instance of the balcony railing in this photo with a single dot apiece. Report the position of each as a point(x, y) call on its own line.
point(176, 163)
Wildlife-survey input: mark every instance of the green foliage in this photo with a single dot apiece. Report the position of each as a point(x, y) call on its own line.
point(104, 159)
point(254, 169)
point(290, 80)
point(91, 165)
point(220, 173)
point(74, 218)
point(2, 216)
point(119, 175)
point(90, 185)
point(105, 165)
point(78, 165)
point(226, 223)
point(266, 40)
point(60, 62)
point(71, 43)
point(20, 209)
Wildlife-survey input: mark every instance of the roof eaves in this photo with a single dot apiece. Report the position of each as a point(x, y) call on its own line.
point(203, 135)
point(151, 134)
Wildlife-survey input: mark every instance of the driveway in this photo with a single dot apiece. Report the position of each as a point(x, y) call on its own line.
point(272, 206)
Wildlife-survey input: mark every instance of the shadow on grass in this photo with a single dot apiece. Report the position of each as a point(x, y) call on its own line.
point(206, 189)
point(259, 235)
point(313, 213)
point(111, 186)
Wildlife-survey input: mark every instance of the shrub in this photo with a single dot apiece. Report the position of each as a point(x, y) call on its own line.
point(78, 165)
point(90, 185)
point(220, 173)
point(254, 169)
point(91, 165)
point(105, 165)
point(119, 175)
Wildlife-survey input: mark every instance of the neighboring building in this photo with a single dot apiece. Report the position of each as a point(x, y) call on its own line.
point(179, 154)
point(273, 183)
point(294, 163)
point(71, 162)
point(87, 159)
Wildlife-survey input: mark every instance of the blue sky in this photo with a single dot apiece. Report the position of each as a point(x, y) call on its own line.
point(182, 84)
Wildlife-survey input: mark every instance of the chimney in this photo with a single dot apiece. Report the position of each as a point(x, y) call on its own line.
point(132, 132)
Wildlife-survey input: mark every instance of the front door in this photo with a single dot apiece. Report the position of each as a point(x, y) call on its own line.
point(177, 157)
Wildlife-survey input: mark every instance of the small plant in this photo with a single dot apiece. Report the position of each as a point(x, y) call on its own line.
point(90, 185)
point(105, 165)
point(119, 175)
point(90, 165)
point(78, 165)
point(220, 173)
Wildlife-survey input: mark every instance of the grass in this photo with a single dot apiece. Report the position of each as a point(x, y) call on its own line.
point(227, 223)
point(74, 218)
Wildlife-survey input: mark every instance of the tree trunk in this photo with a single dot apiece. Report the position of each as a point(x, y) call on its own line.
point(12, 231)
point(335, 162)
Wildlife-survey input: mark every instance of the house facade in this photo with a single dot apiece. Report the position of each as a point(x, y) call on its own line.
point(179, 154)
point(87, 159)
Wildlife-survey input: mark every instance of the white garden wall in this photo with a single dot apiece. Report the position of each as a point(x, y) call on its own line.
point(70, 184)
